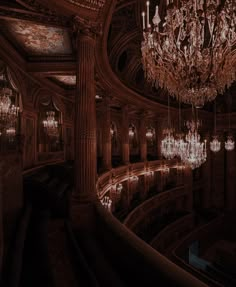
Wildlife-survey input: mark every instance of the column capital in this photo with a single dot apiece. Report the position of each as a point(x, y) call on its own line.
point(86, 27)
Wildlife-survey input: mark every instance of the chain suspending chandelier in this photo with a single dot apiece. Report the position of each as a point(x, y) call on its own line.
point(191, 49)
point(50, 124)
point(168, 143)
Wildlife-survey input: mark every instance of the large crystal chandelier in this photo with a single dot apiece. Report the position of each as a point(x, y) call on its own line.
point(50, 124)
point(194, 153)
point(191, 49)
point(215, 144)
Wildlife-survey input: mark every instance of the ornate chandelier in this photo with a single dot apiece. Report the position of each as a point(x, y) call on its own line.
point(194, 153)
point(215, 144)
point(8, 111)
point(191, 51)
point(50, 124)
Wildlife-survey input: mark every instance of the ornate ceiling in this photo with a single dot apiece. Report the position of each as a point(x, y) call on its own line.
point(40, 32)
point(37, 39)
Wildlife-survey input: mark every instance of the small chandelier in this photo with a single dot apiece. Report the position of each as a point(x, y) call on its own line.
point(150, 133)
point(191, 51)
point(215, 144)
point(168, 144)
point(229, 144)
point(131, 131)
point(50, 124)
point(194, 153)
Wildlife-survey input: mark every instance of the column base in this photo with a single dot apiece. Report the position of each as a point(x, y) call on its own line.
point(82, 213)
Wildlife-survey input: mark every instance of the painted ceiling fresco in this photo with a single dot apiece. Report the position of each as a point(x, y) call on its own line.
point(40, 39)
point(68, 80)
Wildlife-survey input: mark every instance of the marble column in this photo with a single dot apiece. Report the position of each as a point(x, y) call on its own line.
point(85, 124)
point(106, 135)
point(125, 135)
point(143, 139)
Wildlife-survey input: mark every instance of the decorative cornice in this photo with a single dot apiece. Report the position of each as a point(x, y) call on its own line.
point(82, 26)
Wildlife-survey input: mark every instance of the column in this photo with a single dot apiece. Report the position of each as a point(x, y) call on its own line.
point(106, 135)
point(85, 125)
point(125, 135)
point(142, 138)
point(188, 186)
point(230, 180)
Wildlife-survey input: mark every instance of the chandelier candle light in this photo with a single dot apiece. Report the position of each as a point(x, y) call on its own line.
point(191, 50)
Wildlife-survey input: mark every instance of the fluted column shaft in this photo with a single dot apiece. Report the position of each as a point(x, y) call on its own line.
point(125, 135)
point(84, 194)
point(106, 135)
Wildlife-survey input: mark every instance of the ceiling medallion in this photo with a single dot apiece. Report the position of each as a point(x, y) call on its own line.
point(191, 51)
